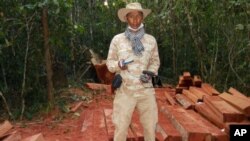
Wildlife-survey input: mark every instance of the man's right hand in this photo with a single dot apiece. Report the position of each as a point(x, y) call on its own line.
point(122, 65)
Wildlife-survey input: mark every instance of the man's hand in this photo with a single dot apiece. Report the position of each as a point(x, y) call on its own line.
point(122, 64)
point(144, 78)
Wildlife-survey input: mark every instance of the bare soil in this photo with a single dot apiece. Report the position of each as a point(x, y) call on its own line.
point(71, 126)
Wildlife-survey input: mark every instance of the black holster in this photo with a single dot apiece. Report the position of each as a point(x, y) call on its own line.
point(117, 81)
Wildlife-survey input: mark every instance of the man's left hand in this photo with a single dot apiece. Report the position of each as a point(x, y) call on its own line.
point(144, 78)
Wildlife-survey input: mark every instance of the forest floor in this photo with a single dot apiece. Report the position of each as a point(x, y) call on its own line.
point(85, 123)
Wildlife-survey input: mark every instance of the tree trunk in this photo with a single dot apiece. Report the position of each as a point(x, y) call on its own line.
point(198, 42)
point(28, 30)
point(48, 61)
point(173, 20)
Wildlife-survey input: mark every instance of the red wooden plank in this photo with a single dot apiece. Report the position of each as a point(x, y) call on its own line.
point(235, 92)
point(5, 127)
point(37, 137)
point(184, 101)
point(209, 89)
point(160, 134)
point(180, 89)
point(86, 129)
point(194, 98)
point(131, 136)
point(104, 75)
point(185, 81)
point(187, 75)
point(109, 124)
point(188, 128)
point(225, 111)
point(167, 130)
point(111, 128)
point(217, 134)
point(136, 127)
point(100, 87)
point(99, 127)
point(198, 92)
point(206, 112)
point(239, 103)
point(14, 136)
point(88, 119)
point(76, 106)
point(197, 81)
point(170, 99)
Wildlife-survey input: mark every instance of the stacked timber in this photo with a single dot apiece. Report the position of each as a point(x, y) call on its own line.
point(194, 111)
point(186, 80)
point(196, 114)
point(184, 123)
point(200, 112)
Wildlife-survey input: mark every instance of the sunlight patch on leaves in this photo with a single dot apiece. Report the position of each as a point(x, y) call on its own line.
point(239, 27)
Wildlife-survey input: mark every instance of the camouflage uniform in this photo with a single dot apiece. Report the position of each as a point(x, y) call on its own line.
point(134, 94)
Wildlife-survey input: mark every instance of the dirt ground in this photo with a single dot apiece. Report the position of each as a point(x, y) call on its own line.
point(71, 126)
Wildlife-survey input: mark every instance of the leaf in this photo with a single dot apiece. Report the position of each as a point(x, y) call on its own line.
point(65, 109)
point(57, 10)
point(41, 4)
point(1, 34)
point(248, 26)
point(77, 114)
point(56, 2)
point(7, 42)
point(30, 6)
point(239, 27)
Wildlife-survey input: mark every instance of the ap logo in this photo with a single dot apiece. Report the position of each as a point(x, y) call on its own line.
point(239, 132)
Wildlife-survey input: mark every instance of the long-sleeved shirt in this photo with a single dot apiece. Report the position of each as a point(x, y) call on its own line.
point(121, 48)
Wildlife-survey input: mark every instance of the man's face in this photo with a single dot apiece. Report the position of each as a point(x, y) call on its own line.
point(134, 19)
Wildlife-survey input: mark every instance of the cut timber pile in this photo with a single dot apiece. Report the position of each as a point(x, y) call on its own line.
point(194, 111)
point(190, 125)
point(221, 109)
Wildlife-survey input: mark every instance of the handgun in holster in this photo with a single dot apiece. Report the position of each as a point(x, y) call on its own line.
point(117, 81)
point(155, 78)
point(150, 73)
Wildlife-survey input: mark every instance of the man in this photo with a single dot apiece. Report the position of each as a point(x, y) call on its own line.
point(131, 53)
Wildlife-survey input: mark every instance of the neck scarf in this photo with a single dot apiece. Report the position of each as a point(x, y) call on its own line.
point(135, 38)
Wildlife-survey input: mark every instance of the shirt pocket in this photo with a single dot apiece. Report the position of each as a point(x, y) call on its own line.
point(124, 52)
